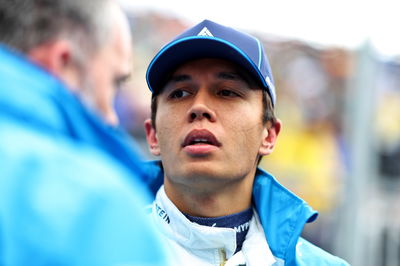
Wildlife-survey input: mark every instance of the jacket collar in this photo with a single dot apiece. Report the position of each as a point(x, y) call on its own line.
point(282, 214)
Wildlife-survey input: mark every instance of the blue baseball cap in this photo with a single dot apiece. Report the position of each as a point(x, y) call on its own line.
point(212, 40)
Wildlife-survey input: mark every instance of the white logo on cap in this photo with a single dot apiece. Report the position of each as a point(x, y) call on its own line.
point(205, 32)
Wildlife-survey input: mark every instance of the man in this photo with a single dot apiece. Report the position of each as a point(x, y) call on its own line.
point(69, 190)
point(212, 120)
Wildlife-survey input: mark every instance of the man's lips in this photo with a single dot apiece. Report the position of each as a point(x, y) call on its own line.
point(200, 137)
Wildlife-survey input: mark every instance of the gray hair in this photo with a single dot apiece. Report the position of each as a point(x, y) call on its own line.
point(25, 24)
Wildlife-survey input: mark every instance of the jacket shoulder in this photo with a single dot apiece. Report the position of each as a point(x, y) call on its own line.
point(69, 192)
point(310, 255)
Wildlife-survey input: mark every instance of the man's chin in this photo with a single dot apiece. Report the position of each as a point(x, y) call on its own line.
point(204, 173)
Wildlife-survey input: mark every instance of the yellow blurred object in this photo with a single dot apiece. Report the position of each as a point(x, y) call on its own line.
point(388, 118)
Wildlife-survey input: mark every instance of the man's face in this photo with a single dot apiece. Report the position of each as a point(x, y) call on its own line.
point(208, 124)
point(108, 69)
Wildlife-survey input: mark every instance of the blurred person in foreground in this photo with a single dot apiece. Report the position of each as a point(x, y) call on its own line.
point(69, 182)
point(212, 120)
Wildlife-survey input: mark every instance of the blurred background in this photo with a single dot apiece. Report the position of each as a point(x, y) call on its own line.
point(336, 66)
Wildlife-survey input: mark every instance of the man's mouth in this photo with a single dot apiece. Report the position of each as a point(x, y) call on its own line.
point(200, 137)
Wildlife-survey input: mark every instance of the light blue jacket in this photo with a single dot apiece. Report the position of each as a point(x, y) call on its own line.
point(283, 216)
point(70, 188)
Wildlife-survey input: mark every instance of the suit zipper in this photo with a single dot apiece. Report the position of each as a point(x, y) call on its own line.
point(222, 256)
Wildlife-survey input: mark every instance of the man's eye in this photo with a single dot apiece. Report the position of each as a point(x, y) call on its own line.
point(228, 93)
point(119, 82)
point(176, 94)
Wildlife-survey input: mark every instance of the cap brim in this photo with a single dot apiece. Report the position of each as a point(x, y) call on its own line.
point(195, 47)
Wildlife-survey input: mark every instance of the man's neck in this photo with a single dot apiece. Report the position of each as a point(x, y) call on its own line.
point(224, 200)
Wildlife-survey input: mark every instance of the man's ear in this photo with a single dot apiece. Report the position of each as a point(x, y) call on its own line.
point(270, 134)
point(56, 57)
point(151, 137)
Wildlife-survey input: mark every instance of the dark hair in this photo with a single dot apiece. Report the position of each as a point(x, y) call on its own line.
point(25, 24)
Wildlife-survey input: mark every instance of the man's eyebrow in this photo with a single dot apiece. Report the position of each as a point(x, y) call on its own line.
point(180, 78)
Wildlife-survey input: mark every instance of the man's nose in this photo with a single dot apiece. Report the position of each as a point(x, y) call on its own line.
point(201, 110)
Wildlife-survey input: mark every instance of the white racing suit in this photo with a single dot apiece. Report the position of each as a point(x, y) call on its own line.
point(194, 244)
